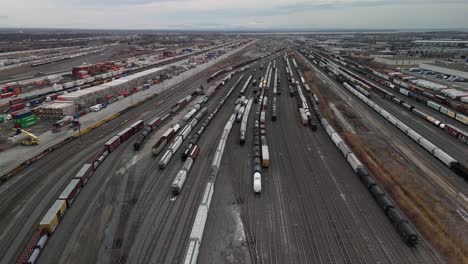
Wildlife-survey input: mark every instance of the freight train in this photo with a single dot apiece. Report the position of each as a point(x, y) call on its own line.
point(56, 212)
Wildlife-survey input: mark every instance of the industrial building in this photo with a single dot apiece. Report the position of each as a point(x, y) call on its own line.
point(402, 60)
point(444, 43)
point(453, 69)
point(94, 95)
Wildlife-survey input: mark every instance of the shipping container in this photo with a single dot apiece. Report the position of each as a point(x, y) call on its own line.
point(53, 217)
point(154, 123)
point(112, 144)
point(137, 126)
point(15, 101)
point(71, 191)
point(17, 106)
point(265, 156)
point(125, 134)
point(7, 95)
point(85, 173)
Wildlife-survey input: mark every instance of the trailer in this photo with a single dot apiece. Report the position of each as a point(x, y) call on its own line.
point(85, 173)
point(71, 191)
point(53, 217)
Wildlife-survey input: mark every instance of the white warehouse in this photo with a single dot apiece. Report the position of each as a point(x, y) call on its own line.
point(454, 69)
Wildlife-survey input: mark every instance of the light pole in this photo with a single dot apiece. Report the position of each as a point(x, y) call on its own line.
point(77, 115)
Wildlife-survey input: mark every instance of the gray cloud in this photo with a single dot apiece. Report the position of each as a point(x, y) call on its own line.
point(191, 14)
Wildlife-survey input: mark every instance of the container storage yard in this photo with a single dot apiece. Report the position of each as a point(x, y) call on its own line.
point(230, 148)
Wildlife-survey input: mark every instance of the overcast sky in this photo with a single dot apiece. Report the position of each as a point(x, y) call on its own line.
point(235, 14)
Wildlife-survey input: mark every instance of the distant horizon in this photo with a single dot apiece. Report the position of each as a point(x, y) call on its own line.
point(226, 15)
point(244, 30)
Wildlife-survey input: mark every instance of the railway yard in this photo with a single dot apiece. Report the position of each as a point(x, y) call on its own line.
point(277, 152)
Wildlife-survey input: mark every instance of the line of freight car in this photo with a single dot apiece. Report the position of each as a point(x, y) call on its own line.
point(192, 148)
point(453, 164)
point(179, 139)
point(151, 126)
point(408, 234)
point(411, 94)
point(170, 133)
point(181, 176)
point(449, 129)
point(165, 138)
point(56, 212)
point(257, 152)
point(439, 154)
point(418, 96)
point(196, 233)
point(391, 82)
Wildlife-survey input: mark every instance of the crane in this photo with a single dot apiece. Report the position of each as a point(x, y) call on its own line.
point(31, 140)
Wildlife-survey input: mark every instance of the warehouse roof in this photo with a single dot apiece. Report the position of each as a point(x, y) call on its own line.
point(104, 86)
point(442, 41)
point(451, 66)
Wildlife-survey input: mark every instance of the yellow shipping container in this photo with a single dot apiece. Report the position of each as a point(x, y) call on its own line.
point(431, 119)
point(451, 114)
point(53, 217)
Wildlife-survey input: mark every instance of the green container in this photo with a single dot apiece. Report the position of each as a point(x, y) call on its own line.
point(2, 119)
point(27, 119)
point(28, 124)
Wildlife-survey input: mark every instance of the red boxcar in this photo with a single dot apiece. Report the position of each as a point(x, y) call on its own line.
point(17, 107)
point(85, 173)
point(125, 134)
point(137, 126)
point(6, 95)
point(15, 101)
point(155, 122)
point(112, 144)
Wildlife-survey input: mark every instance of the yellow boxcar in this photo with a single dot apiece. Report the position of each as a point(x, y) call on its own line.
point(451, 114)
point(54, 216)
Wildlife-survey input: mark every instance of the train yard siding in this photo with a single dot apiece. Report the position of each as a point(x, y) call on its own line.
point(312, 205)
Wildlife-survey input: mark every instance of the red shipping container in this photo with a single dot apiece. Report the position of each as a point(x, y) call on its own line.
point(125, 134)
point(6, 95)
point(112, 144)
point(85, 173)
point(137, 126)
point(15, 101)
point(155, 122)
point(17, 106)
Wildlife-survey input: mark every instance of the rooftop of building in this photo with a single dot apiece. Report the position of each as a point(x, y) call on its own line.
point(452, 66)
